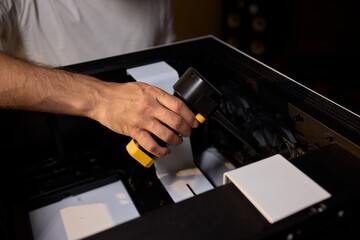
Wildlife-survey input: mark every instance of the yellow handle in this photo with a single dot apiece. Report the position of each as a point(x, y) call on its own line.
point(134, 150)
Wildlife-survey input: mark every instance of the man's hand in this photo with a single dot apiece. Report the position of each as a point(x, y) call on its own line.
point(135, 109)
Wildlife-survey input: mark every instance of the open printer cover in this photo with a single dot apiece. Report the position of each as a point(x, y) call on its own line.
point(48, 158)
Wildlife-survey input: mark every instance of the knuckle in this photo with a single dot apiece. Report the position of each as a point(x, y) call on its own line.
point(136, 121)
point(144, 104)
point(136, 134)
point(151, 89)
point(168, 137)
point(177, 104)
point(152, 147)
point(176, 122)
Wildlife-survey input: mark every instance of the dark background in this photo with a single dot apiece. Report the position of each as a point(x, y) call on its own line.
point(316, 43)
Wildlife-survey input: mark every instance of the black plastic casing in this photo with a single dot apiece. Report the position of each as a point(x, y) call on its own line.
point(198, 94)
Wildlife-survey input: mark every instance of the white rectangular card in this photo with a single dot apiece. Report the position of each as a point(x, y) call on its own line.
point(276, 187)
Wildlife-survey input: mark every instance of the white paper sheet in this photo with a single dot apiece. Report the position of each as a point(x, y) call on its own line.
point(178, 173)
point(85, 214)
point(159, 74)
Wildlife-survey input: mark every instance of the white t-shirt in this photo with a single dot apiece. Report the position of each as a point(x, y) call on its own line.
point(63, 32)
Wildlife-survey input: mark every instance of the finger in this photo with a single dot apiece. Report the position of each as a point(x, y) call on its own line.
point(176, 123)
point(166, 134)
point(150, 145)
point(177, 106)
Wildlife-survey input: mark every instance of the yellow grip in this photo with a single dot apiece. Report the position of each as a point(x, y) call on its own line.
point(134, 151)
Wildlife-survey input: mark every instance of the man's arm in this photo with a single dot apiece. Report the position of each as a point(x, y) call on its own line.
point(133, 109)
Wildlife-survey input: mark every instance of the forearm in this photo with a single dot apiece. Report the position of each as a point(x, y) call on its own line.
point(31, 87)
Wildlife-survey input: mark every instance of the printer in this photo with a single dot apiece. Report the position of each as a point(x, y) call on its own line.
point(288, 169)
